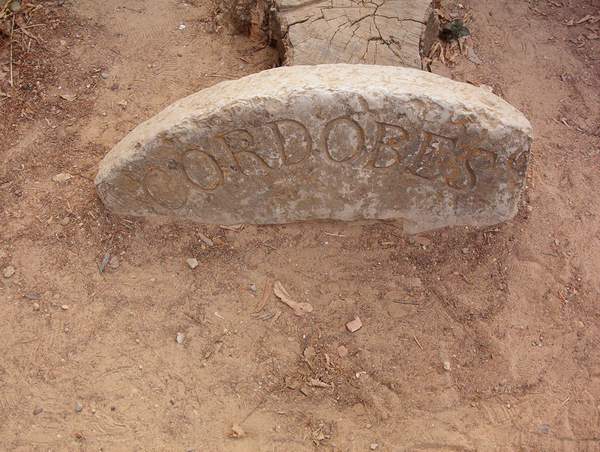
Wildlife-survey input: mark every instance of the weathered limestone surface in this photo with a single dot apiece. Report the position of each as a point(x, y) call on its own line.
point(339, 142)
point(385, 32)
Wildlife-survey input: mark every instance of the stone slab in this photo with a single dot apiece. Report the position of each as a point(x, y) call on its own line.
point(341, 142)
point(385, 32)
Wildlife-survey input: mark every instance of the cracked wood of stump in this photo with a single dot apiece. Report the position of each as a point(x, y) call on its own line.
point(384, 32)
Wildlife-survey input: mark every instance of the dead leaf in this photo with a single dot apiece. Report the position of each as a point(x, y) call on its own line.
point(299, 308)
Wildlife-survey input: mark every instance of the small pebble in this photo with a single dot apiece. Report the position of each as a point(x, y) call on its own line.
point(36, 306)
point(65, 307)
point(114, 262)
point(9, 271)
point(544, 428)
point(447, 366)
point(354, 325)
point(37, 410)
point(192, 262)
point(61, 177)
point(180, 338)
point(78, 407)
point(342, 351)
point(104, 75)
point(374, 446)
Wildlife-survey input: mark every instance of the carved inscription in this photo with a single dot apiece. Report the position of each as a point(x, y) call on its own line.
point(391, 147)
point(202, 169)
point(326, 142)
point(343, 139)
point(288, 142)
point(293, 140)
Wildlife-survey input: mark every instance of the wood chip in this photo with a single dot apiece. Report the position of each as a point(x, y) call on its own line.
point(299, 309)
point(265, 296)
point(276, 316)
point(318, 383)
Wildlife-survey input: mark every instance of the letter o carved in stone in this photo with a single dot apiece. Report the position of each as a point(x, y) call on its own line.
point(203, 170)
point(343, 139)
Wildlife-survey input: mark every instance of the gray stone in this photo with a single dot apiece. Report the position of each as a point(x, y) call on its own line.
point(385, 32)
point(341, 142)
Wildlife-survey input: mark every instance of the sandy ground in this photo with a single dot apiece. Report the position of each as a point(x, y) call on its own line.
point(90, 361)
